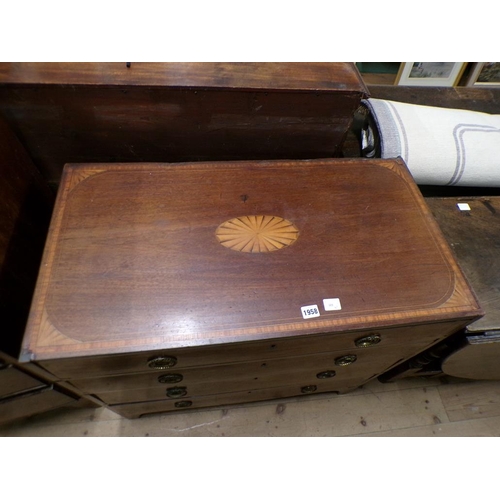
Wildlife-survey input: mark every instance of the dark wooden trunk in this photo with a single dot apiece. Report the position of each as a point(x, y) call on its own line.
point(171, 112)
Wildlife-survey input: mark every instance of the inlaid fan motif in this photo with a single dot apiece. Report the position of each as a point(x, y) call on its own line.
point(257, 233)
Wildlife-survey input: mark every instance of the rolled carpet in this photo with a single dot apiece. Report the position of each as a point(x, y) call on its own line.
point(440, 146)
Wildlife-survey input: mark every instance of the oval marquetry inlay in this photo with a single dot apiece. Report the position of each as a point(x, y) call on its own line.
point(257, 233)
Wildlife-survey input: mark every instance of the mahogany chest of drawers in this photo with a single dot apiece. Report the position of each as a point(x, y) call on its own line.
point(174, 286)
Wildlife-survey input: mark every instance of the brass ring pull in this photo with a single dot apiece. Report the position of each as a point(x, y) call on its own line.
point(176, 392)
point(349, 359)
point(308, 389)
point(326, 374)
point(183, 404)
point(368, 341)
point(162, 362)
point(170, 378)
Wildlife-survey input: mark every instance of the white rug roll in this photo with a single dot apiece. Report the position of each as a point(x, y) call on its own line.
point(440, 146)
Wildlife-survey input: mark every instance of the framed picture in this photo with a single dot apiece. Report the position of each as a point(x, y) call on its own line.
point(433, 74)
point(485, 74)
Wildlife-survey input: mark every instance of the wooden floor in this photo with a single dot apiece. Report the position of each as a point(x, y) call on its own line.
point(413, 407)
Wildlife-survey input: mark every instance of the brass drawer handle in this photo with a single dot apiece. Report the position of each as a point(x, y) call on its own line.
point(162, 362)
point(183, 404)
point(176, 392)
point(368, 341)
point(170, 378)
point(326, 374)
point(349, 359)
point(307, 389)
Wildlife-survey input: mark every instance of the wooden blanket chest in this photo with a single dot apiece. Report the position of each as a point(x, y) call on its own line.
point(178, 111)
point(173, 286)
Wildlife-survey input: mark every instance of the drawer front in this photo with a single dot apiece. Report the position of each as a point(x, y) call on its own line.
point(13, 381)
point(345, 369)
point(175, 359)
point(239, 376)
point(135, 410)
point(32, 403)
point(182, 393)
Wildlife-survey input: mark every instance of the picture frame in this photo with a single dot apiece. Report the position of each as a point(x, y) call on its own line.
point(431, 74)
point(484, 74)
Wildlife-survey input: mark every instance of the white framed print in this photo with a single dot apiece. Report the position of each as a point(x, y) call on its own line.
point(431, 74)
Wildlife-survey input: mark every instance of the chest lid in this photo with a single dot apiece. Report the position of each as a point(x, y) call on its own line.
point(291, 76)
point(153, 256)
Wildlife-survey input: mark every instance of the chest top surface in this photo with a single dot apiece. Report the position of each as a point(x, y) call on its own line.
point(153, 256)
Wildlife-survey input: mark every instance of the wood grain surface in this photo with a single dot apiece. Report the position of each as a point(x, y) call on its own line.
point(133, 263)
point(418, 336)
point(234, 377)
point(325, 76)
point(474, 236)
point(170, 112)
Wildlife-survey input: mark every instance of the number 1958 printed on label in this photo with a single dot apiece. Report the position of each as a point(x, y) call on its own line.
point(310, 311)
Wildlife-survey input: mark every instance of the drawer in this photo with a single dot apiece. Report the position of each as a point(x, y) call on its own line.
point(13, 380)
point(32, 403)
point(334, 367)
point(95, 366)
point(186, 393)
point(135, 410)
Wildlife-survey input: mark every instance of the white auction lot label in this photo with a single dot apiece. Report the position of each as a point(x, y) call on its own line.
point(310, 311)
point(332, 304)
